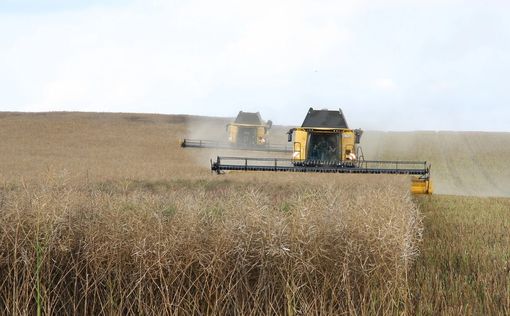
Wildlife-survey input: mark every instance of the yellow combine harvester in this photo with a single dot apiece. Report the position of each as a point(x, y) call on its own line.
point(325, 143)
point(247, 132)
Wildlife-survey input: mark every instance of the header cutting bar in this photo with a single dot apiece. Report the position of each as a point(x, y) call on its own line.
point(421, 168)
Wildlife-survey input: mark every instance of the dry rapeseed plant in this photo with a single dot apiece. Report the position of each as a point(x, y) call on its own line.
point(240, 245)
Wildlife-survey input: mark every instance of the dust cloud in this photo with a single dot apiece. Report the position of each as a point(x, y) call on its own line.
point(207, 128)
point(214, 129)
point(463, 163)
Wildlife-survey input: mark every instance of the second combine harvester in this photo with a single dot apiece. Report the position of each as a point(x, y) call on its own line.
point(246, 132)
point(325, 143)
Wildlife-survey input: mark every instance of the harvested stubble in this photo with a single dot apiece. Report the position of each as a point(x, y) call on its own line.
point(231, 246)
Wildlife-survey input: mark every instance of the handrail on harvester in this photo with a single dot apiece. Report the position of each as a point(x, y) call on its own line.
point(420, 168)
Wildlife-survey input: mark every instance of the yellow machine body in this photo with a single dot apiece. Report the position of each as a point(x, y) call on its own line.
point(246, 134)
point(323, 143)
point(342, 143)
point(344, 149)
point(421, 186)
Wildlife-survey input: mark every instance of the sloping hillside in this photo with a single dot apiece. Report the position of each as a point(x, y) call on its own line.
point(106, 145)
point(465, 163)
point(93, 145)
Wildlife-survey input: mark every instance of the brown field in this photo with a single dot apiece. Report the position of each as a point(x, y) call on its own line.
point(463, 163)
point(106, 214)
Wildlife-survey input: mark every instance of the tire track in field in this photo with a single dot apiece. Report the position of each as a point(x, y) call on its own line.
point(454, 178)
point(482, 168)
point(463, 163)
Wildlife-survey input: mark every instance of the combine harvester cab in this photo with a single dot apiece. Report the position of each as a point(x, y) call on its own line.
point(247, 132)
point(325, 139)
point(325, 143)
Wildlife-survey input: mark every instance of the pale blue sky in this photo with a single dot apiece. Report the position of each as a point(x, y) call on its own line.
point(391, 65)
point(46, 6)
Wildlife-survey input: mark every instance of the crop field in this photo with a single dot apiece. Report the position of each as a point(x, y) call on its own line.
point(106, 214)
